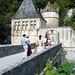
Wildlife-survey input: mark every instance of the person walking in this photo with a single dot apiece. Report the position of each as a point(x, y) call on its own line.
point(25, 45)
point(45, 40)
point(52, 41)
point(39, 44)
point(29, 48)
point(49, 42)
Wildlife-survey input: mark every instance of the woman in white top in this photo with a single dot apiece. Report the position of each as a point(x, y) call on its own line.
point(39, 43)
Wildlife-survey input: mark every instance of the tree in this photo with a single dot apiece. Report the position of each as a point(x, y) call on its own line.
point(63, 6)
point(41, 3)
point(70, 21)
point(73, 20)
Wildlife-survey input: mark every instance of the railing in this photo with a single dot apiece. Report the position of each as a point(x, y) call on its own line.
point(6, 50)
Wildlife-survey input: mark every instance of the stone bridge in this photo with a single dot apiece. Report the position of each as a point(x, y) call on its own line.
point(11, 62)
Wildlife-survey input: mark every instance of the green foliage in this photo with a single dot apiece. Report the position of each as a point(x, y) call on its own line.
point(73, 72)
point(47, 73)
point(4, 31)
point(52, 72)
point(49, 65)
point(63, 6)
point(67, 22)
point(56, 73)
point(64, 69)
point(9, 7)
point(52, 58)
point(73, 20)
point(41, 3)
point(70, 21)
point(63, 74)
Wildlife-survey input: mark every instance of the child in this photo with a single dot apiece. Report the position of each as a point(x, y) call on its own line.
point(49, 42)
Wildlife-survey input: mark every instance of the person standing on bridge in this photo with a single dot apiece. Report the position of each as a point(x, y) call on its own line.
point(39, 44)
point(45, 40)
point(29, 48)
point(52, 41)
point(49, 42)
point(25, 45)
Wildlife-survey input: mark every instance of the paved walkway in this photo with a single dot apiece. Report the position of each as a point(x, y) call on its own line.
point(11, 60)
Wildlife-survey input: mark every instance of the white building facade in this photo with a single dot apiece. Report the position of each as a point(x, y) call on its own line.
point(26, 21)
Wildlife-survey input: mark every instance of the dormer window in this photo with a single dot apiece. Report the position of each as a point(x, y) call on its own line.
point(47, 9)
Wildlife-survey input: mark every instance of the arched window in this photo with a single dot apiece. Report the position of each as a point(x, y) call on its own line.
point(15, 22)
point(26, 22)
point(18, 22)
point(26, 26)
point(31, 26)
point(19, 27)
point(47, 9)
point(34, 21)
point(15, 27)
point(31, 21)
point(23, 22)
point(34, 26)
point(23, 27)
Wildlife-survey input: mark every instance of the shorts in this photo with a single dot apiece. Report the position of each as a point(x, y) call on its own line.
point(45, 43)
point(49, 44)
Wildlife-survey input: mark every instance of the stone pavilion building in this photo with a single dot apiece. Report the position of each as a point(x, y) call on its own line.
point(27, 20)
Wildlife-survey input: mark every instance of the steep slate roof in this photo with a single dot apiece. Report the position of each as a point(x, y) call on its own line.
point(27, 9)
point(51, 8)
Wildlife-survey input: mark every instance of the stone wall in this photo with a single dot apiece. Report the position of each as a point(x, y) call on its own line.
point(66, 35)
point(51, 18)
point(7, 50)
point(33, 64)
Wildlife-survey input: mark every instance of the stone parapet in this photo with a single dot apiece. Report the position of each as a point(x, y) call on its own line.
point(6, 50)
point(33, 64)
